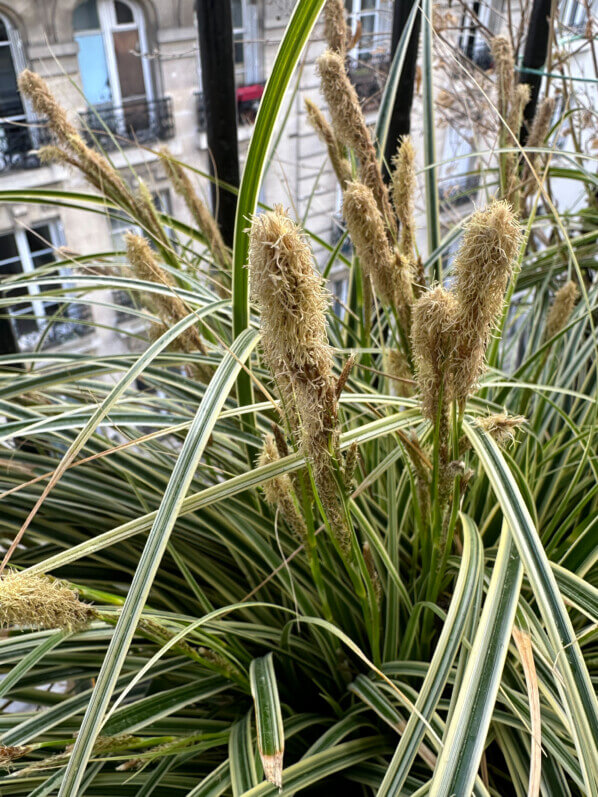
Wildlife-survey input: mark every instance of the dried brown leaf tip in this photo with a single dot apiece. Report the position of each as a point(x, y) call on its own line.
point(34, 601)
point(10, 753)
point(501, 426)
point(561, 309)
point(482, 267)
point(293, 303)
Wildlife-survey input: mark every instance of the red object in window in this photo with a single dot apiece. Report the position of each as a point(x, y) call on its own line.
point(249, 93)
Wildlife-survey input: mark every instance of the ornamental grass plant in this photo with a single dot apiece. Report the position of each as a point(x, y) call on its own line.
point(325, 553)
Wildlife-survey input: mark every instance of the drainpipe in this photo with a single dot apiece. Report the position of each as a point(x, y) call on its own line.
point(215, 30)
point(534, 58)
point(400, 120)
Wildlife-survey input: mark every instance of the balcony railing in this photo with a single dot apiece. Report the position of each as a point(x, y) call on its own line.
point(18, 141)
point(248, 102)
point(136, 121)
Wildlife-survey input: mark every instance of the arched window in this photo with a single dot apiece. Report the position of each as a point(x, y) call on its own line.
point(15, 138)
point(110, 35)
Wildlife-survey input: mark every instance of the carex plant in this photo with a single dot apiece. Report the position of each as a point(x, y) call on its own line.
point(378, 574)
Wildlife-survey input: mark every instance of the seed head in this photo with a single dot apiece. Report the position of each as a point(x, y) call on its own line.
point(483, 266)
point(372, 571)
point(398, 369)
point(538, 133)
point(368, 233)
point(279, 491)
point(433, 339)
point(404, 184)
point(40, 602)
point(562, 307)
point(293, 303)
point(335, 26)
point(351, 129)
point(340, 164)
point(199, 211)
point(504, 62)
point(35, 88)
point(501, 426)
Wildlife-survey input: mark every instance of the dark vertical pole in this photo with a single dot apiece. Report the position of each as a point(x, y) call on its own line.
point(400, 120)
point(8, 342)
point(215, 28)
point(534, 57)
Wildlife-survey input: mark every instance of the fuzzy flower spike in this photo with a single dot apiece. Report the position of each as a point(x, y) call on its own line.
point(34, 601)
point(293, 303)
point(483, 266)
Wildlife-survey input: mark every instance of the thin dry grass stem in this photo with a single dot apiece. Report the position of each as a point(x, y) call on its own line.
point(169, 307)
point(433, 341)
point(293, 303)
point(404, 183)
point(482, 267)
point(388, 269)
point(501, 426)
point(561, 309)
point(352, 131)
point(279, 491)
point(519, 100)
point(340, 164)
point(34, 601)
point(199, 211)
point(335, 26)
point(72, 150)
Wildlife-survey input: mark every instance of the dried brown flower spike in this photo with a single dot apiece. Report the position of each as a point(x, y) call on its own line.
point(279, 490)
point(340, 164)
point(40, 602)
point(483, 266)
point(561, 309)
point(292, 301)
point(404, 183)
point(351, 129)
point(433, 338)
point(335, 26)
point(501, 426)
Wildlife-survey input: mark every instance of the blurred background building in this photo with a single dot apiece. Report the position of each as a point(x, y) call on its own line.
point(129, 71)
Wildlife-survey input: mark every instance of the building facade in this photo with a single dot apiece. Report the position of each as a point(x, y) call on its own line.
point(131, 68)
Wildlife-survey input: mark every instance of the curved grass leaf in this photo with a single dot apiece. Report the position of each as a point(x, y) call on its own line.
point(270, 730)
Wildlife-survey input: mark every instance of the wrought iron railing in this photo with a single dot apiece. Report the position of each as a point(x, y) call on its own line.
point(248, 103)
point(136, 121)
point(18, 141)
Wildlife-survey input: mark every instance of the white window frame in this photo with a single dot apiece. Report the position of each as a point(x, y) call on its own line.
point(355, 13)
point(108, 24)
point(572, 13)
point(25, 258)
point(19, 61)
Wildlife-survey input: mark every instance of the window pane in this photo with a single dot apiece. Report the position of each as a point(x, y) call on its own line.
point(237, 9)
point(85, 16)
point(3, 31)
point(124, 14)
point(8, 247)
point(367, 4)
point(39, 238)
point(239, 49)
point(128, 61)
point(10, 99)
point(93, 69)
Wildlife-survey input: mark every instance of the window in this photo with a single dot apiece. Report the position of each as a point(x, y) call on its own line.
point(246, 42)
point(116, 74)
point(457, 175)
point(369, 60)
point(573, 14)
point(17, 139)
point(24, 251)
point(110, 35)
